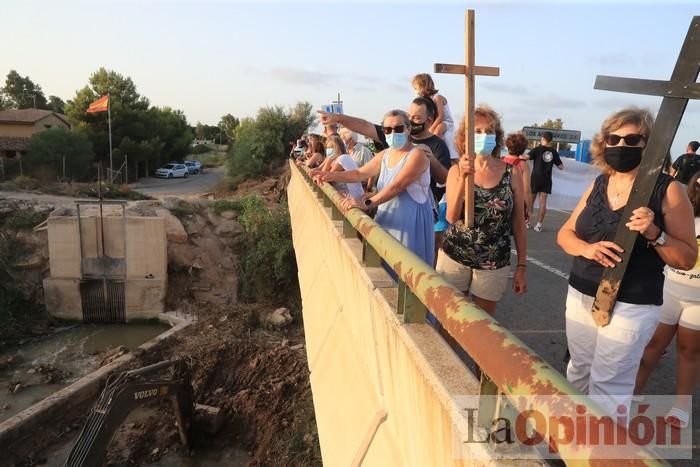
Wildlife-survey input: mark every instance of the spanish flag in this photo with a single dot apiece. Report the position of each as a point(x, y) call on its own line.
point(100, 105)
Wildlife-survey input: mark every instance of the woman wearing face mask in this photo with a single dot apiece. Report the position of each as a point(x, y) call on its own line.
point(476, 260)
point(604, 360)
point(337, 160)
point(403, 197)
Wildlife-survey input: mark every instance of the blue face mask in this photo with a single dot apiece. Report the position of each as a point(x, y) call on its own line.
point(330, 152)
point(396, 140)
point(484, 144)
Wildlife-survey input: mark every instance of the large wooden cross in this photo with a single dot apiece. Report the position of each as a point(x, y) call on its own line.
point(469, 70)
point(676, 93)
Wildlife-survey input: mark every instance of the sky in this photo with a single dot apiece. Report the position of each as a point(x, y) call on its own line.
point(210, 58)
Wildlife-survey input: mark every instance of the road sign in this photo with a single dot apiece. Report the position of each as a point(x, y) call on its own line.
point(559, 136)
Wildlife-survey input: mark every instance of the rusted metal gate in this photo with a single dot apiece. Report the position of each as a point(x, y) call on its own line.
point(103, 301)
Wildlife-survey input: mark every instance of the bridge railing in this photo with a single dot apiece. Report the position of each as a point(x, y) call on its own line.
point(509, 367)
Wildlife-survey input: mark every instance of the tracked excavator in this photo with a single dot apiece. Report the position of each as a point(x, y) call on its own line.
point(126, 391)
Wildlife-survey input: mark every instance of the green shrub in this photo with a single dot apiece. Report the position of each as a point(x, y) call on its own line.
point(228, 184)
point(23, 182)
point(221, 205)
point(17, 310)
point(200, 149)
point(268, 266)
point(211, 160)
point(23, 219)
point(182, 211)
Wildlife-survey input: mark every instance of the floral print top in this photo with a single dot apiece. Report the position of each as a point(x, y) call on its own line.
point(487, 244)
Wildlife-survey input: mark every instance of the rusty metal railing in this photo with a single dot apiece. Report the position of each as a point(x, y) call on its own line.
point(509, 367)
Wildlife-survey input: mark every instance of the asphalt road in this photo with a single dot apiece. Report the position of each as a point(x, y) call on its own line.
point(190, 186)
point(537, 317)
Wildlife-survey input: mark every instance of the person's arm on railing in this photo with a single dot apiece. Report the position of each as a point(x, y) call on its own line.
point(358, 125)
point(409, 173)
point(368, 170)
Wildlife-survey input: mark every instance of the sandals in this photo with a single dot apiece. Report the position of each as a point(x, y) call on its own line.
point(677, 418)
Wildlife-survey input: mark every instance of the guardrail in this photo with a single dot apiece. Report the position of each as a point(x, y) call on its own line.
point(509, 368)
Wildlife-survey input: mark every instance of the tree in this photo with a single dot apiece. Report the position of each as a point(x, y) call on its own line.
point(263, 143)
point(228, 125)
point(556, 124)
point(148, 135)
point(50, 149)
point(22, 93)
point(56, 104)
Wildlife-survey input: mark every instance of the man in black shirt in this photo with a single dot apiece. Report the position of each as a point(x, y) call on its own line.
point(688, 164)
point(544, 157)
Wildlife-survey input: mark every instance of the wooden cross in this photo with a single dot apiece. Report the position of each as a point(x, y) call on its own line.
point(469, 70)
point(676, 93)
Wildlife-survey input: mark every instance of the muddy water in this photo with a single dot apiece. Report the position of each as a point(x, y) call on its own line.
point(74, 351)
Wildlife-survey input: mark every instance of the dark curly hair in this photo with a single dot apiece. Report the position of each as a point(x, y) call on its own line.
point(516, 143)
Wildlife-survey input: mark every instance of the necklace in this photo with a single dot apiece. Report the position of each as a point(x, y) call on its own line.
point(616, 197)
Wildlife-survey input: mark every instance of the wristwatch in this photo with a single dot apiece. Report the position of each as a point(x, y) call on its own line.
point(660, 240)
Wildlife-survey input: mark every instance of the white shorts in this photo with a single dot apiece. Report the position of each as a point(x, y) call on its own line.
point(489, 284)
point(684, 313)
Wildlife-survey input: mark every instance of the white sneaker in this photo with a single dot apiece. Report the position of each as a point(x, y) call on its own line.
point(538, 227)
point(527, 225)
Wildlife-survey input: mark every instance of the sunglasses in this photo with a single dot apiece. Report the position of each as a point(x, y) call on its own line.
point(398, 129)
point(630, 140)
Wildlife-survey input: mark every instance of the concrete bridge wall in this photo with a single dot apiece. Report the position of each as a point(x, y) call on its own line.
point(383, 390)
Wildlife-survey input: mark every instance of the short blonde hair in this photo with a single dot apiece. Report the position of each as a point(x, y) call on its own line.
point(424, 83)
point(494, 119)
point(627, 116)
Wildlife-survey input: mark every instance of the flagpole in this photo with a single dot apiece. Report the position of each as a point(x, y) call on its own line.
point(109, 124)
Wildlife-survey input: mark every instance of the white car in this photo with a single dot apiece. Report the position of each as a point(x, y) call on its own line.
point(194, 167)
point(172, 170)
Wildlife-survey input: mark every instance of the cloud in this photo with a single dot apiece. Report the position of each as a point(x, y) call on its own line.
point(298, 76)
point(508, 88)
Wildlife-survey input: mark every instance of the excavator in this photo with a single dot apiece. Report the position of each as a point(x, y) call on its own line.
point(126, 391)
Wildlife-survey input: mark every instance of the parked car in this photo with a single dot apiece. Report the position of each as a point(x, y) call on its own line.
point(194, 167)
point(172, 170)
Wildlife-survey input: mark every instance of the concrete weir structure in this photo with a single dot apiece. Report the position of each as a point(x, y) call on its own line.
point(107, 263)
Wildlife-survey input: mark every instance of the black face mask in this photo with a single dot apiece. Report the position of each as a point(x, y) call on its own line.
point(417, 128)
point(623, 158)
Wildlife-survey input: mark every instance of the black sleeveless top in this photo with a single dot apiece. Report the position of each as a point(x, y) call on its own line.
point(644, 279)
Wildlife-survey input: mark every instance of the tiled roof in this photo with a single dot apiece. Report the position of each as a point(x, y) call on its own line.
point(28, 116)
point(8, 143)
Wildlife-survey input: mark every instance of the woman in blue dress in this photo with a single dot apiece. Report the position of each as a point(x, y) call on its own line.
point(403, 197)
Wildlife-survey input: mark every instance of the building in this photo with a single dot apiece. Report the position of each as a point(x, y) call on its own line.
point(18, 126)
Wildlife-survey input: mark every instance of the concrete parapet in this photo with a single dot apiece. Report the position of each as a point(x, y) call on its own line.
point(384, 392)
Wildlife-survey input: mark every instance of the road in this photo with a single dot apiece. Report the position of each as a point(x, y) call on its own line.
point(192, 186)
point(537, 317)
